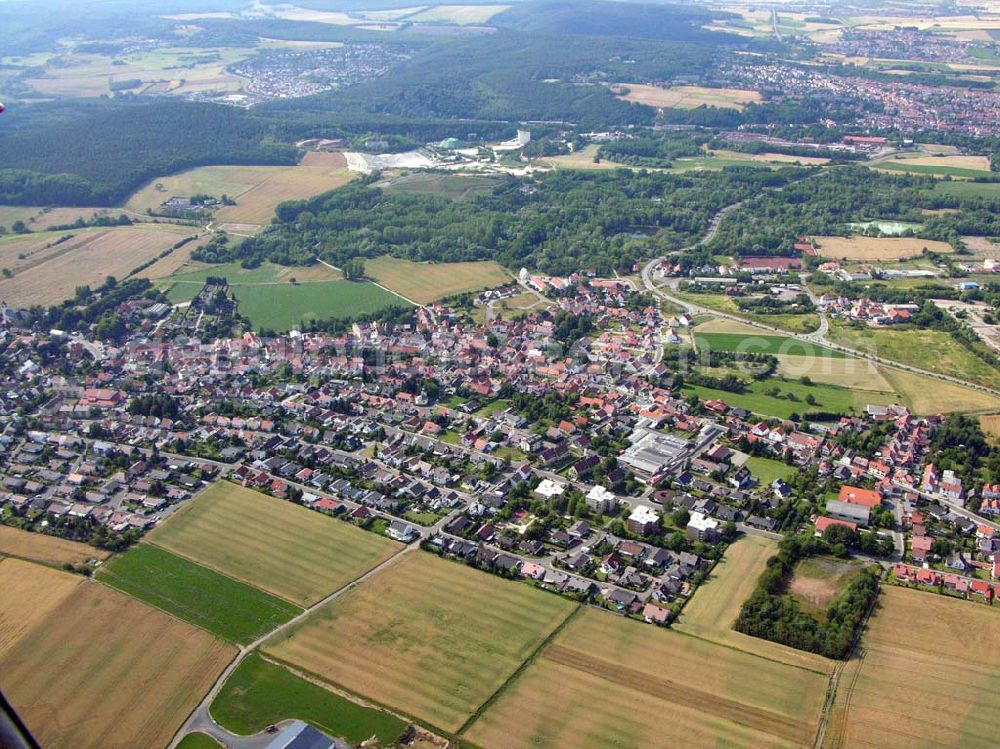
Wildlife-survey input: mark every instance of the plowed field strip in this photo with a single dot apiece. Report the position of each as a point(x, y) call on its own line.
point(682, 694)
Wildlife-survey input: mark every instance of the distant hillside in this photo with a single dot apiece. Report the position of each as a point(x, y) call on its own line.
point(100, 158)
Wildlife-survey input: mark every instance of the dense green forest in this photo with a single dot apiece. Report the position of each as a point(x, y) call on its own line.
point(821, 205)
point(101, 158)
point(558, 223)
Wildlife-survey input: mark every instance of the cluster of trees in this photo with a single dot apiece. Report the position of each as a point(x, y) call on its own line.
point(566, 221)
point(653, 150)
point(101, 157)
point(769, 223)
point(159, 405)
point(771, 614)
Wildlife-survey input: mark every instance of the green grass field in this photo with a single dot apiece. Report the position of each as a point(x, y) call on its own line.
point(270, 299)
point(767, 470)
point(426, 282)
point(951, 171)
point(762, 344)
point(428, 637)
point(281, 308)
point(285, 549)
point(196, 594)
point(806, 323)
point(260, 693)
point(829, 398)
point(988, 190)
point(932, 350)
point(199, 741)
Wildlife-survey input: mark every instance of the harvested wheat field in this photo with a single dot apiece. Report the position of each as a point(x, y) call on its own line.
point(28, 592)
point(288, 550)
point(48, 275)
point(926, 395)
point(990, 424)
point(878, 248)
point(688, 97)
point(946, 652)
point(38, 547)
point(86, 675)
point(426, 282)
point(609, 681)
point(428, 637)
point(857, 374)
point(716, 604)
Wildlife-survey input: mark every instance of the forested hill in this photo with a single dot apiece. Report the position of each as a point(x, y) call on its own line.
point(629, 21)
point(558, 223)
point(99, 159)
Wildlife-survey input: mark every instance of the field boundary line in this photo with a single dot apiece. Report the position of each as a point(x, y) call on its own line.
point(186, 558)
point(244, 651)
point(532, 657)
point(729, 646)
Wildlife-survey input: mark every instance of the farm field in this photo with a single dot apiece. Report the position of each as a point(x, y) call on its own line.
point(970, 189)
point(453, 186)
point(221, 605)
point(763, 343)
point(49, 274)
point(766, 470)
point(460, 15)
point(281, 308)
point(281, 297)
point(177, 71)
point(818, 580)
point(983, 247)
point(990, 424)
point(84, 675)
point(846, 371)
point(770, 158)
point(431, 638)
point(37, 547)
point(426, 282)
point(806, 323)
point(932, 350)
point(28, 593)
point(608, 681)
point(717, 602)
point(688, 97)
point(791, 398)
point(36, 217)
point(282, 548)
point(912, 634)
point(582, 159)
point(260, 693)
point(925, 395)
point(257, 190)
point(872, 249)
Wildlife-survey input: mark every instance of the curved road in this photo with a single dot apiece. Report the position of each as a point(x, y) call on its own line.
point(817, 337)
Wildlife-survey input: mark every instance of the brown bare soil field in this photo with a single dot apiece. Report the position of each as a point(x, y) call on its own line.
point(983, 247)
point(256, 205)
point(990, 424)
point(939, 656)
point(46, 549)
point(877, 248)
point(818, 579)
point(104, 671)
point(431, 638)
point(51, 275)
point(28, 592)
point(688, 97)
point(608, 681)
point(327, 159)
